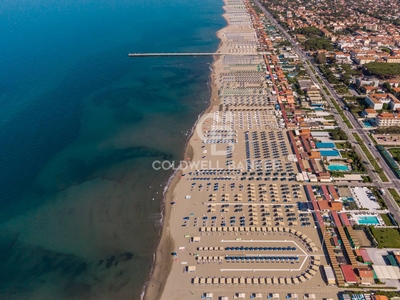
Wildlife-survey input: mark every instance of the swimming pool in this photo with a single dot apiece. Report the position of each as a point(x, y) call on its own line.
point(325, 145)
point(329, 152)
point(367, 220)
point(338, 168)
point(367, 124)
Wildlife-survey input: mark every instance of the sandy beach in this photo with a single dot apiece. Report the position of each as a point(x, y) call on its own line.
point(203, 252)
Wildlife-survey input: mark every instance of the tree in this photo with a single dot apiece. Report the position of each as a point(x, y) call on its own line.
point(387, 87)
point(321, 58)
point(385, 106)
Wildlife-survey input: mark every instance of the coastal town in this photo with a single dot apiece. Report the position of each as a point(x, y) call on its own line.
point(290, 188)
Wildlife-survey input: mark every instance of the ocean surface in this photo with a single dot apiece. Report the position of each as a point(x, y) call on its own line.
point(80, 125)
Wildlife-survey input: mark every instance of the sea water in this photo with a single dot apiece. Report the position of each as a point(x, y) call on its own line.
point(80, 124)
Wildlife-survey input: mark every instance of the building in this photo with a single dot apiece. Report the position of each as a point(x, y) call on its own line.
point(393, 59)
point(349, 275)
point(336, 205)
point(380, 297)
point(324, 177)
point(387, 119)
point(369, 113)
point(366, 276)
point(330, 276)
point(372, 26)
point(376, 101)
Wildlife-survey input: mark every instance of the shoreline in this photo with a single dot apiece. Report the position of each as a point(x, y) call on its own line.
point(162, 262)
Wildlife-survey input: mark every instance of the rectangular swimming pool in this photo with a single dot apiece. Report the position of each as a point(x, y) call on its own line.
point(325, 145)
point(338, 168)
point(367, 220)
point(329, 152)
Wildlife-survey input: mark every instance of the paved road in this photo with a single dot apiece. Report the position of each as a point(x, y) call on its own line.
point(308, 64)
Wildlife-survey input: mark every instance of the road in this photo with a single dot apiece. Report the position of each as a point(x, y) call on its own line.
point(308, 64)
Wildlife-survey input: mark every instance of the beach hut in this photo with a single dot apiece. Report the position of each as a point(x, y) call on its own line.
point(255, 280)
point(252, 229)
point(241, 295)
point(235, 280)
point(275, 295)
point(222, 280)
point(224, 229)
point(317, 262)
point(280, 229)
point(213, 229)
point(307, 276)
point(288, 280)
point(209, 280)
point(261, 280)
point(248, 280)
point(314, 267)
point(268, 280)
point(191, 269)
point(241, 229)
point(295, 280)
point(195, 280)
point(202, 229)
point(202, 280)
point(311, 272)
point(247, 229)
point(275, 280)
point(281, 280)
point(208, 296)
point(215, 280)
point(264, 229)
point(242, 280)
point(302, 279)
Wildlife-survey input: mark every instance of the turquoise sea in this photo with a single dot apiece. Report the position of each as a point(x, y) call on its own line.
point(80, 124)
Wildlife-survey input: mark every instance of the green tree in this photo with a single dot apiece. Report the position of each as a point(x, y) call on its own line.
point(321, 58)
point(385, 106)
point(387, 87)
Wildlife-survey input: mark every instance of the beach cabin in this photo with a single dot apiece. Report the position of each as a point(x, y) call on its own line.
point(191, 269)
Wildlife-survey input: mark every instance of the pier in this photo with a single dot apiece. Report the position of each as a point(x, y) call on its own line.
point(190, 54)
